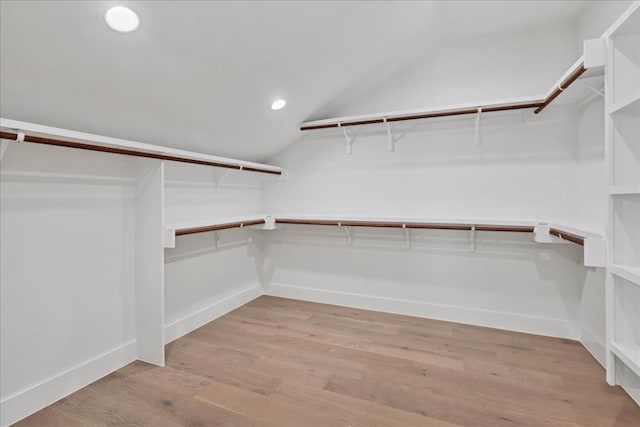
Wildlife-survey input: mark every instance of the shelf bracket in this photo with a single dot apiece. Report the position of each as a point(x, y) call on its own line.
point(348, 138)
point(478, 135)
point(472, 238)
point(3, 148)
point(407, 236)
point(347, 230)
point(391, 137)
point(218, 235)
point(4, 145)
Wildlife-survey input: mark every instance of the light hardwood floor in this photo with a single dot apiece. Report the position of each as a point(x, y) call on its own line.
point(279, 362)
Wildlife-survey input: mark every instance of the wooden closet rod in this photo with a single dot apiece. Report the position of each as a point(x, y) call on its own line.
point(126, 152)
point(561, 87)
point(567, 236)
point(414, 225)
point(538, 105)
point(487, 109)
point(184, 231)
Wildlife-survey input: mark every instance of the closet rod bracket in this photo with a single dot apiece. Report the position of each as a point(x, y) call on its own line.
point(407, 236)
point(478, 135)
point(347, 231)
point(472, 238)
point(349, 138)
point(391, 135)
point(217, 235)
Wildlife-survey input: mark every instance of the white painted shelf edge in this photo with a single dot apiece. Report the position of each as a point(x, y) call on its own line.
point(630, 357)
point(428, 110)
point(631, 274)
point(592, 242)
point(591, 72)
point(430, 220)
point(172, 229)
point(627, 189)
point(627, 105)
point(579, 229)
point(105, 141)
point(620, 24)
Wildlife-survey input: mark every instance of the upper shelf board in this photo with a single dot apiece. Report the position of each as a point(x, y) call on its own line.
point(588, 66)
point(123, 146)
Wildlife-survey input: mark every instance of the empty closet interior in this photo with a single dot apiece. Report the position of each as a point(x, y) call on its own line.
point(491, 179)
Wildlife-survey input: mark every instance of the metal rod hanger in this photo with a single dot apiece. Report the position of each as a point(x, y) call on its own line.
point(539, 105)
point(127, 152)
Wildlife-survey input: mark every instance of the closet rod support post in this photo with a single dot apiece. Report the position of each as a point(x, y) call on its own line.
point(348, 138)
point(478, 135)
point(407, 236)
point(347, 231)
point(472, 236)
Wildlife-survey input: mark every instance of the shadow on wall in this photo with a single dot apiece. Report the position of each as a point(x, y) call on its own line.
point(201, 244)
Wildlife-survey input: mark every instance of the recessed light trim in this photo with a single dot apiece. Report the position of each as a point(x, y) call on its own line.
point(278, 104)
point(122, 19)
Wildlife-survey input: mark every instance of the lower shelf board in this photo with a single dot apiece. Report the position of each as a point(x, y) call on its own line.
point(629, 356)
point(631, 274)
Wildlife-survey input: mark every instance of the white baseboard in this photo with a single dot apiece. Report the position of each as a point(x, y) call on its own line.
point(193, 321)
point(24, 403)
point(634, 393)
point(494, 319)
point(594, 345)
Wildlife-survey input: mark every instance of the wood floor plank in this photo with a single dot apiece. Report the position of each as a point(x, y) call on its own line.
point(277, 362)
point(51, 417)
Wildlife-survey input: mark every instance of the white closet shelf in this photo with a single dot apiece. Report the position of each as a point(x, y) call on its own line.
point(181, 229)
point(630, 356)
point(543, 232)
point(587, 236)
point(417, 223)
point(628, 106)
point(625, 189)
point(14, 130)
point(593, 57)
point(631, 274)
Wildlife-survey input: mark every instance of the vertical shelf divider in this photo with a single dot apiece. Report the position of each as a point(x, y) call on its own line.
point(622, 145)
point(149, 253)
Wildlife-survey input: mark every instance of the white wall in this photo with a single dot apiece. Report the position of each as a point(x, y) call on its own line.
point(524, 169)
point(191, 194)
point(67, 272)
point(598, 17)
point(519, 64)
point(507, 282)
point(528, 167)
point(202, 280)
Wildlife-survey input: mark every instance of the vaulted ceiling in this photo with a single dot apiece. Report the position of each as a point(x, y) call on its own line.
point(202, 75)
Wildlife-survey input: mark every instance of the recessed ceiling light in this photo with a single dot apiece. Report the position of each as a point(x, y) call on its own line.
point(278, 104)
point(122, 19)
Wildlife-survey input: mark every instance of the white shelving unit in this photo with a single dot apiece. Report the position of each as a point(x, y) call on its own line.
point(622, 134)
